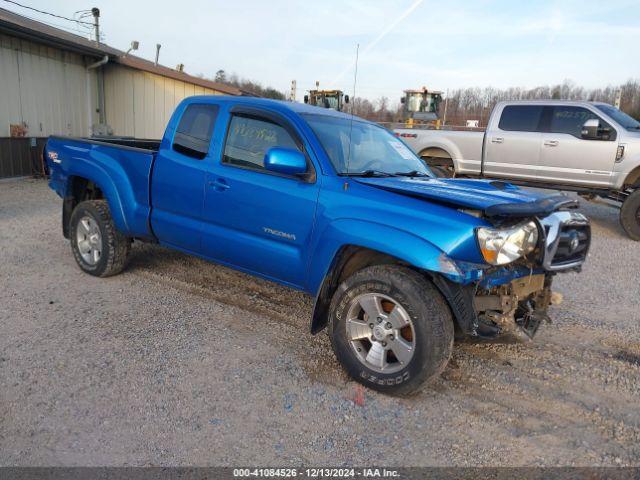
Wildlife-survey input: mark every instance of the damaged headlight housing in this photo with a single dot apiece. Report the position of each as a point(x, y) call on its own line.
point(500, 246)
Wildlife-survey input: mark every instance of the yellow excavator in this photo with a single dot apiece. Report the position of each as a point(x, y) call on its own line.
point(335, 99)
point(421, 107)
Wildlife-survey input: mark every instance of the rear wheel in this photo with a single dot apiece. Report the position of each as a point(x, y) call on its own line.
point(98, 247)
point(630, 215)
point(390, 329)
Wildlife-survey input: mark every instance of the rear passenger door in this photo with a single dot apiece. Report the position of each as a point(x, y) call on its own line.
point(512, 149)
point(567, 158)
point(257, 220)
point(178, 179)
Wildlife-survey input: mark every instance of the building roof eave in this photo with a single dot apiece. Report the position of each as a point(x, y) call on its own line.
point(21, 27)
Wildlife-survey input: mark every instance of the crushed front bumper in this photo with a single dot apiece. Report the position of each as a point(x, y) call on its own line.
point(515, 309)
point(513, 300)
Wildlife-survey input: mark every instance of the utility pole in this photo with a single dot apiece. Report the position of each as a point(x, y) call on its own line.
point(96, 22)
point(292, 96)
point(157, 53)
point(618, 98)
point(446, 102)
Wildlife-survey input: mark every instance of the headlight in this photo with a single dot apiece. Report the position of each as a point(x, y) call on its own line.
point(504, 245)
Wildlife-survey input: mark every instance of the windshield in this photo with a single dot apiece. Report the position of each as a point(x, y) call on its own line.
point(414, 102)
point(327, 101)
point(620, 117)
point(373, 150)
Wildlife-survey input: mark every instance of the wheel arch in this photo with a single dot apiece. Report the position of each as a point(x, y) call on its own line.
point(440, 152)
point(82, 187)
point(347, 260)
point(633, 178)
point(352, 258)
point(436, 156)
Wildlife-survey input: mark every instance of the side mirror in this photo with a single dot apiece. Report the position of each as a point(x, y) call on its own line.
point(346, 99)
point(591, 130)
point(306, 99)
point(401, 99)
point(286, 161)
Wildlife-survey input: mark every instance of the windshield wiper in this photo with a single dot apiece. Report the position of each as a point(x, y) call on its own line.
point(369, 173)
point(412, 173)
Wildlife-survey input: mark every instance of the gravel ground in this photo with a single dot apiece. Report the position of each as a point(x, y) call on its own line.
point(181, 362)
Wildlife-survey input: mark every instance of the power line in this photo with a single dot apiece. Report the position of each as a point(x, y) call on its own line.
point(60, 26)
point(48, 13)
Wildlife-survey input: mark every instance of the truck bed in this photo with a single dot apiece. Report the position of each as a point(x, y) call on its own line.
point(144, 143)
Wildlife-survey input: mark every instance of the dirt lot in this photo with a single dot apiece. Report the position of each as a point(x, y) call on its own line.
point(181, 362)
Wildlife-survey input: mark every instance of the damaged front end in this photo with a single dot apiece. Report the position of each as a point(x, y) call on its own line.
point(515, 309)
point(510, 302)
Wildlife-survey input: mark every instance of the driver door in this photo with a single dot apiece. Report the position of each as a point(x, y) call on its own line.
point(257, 220)
point(566, 158)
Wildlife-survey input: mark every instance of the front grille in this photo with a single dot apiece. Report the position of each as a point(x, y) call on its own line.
point(573, 244)
point(567, 240)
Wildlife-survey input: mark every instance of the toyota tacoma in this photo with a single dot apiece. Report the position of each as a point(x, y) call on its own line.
point(399, 262)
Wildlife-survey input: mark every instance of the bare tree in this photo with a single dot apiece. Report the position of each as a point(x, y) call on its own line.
point(248, 85)
point(476, 103)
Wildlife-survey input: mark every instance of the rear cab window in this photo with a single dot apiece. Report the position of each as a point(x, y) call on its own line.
point(249, 138)
point(193, 135)
point(521, 118)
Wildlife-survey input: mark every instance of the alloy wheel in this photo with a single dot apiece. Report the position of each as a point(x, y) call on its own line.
point(380, 332)
point(89, 240)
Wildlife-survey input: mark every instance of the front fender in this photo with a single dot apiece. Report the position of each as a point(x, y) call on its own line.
point(341, 235)
point(382, 238)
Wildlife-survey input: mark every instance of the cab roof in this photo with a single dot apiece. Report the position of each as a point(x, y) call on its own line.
point(551, 102)
point(278, 105)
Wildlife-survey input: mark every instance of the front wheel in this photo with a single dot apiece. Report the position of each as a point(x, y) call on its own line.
point(390, 329)
point(630, 215)
point(98, 247)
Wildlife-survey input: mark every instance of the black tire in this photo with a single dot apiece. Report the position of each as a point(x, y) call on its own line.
point(429, 313)
point(114, 245)
point(630, 215)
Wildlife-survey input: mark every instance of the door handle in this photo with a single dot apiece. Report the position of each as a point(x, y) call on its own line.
point(497, 140)
point(219, 184)
point(551, 143)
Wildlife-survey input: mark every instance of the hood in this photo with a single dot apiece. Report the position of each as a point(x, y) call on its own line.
point(494, 198)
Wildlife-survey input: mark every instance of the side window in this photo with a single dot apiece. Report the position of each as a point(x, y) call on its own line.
point(570, 120)
point(521, 118)
point(249, 138)
point(194, 131)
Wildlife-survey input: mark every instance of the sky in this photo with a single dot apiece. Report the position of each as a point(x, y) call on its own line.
point(403, 44)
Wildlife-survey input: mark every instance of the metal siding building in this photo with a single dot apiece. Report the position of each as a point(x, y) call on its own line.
point(45, 90)
point(49, 86)
point(43, 87)
point(140, 103)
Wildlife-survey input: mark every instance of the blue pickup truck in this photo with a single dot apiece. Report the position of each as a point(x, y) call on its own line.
point(399, 262)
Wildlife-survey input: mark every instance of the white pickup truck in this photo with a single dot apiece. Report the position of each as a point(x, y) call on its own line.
point(588, 147)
